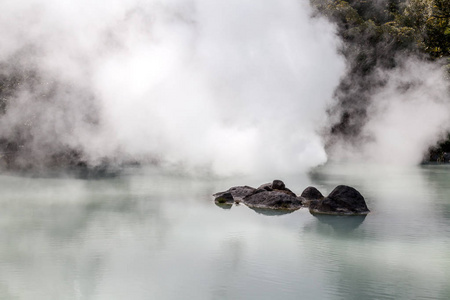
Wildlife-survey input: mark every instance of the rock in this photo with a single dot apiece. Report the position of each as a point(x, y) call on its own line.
point(287, 192)
point(278, 185)
point(343, 200)
point(273, 200)
point(258, 190)
point(224, 198)
point(266, 186)
point(238, 192)
point(311, 193)
point(279, 196)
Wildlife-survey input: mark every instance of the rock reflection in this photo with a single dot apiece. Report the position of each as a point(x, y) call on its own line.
point(341, 224)
point(261, 211)
point(225, 206)
point(271, 212)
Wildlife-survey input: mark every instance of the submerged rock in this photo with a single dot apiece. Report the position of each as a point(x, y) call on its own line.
point(343, 200)
point(273, 200)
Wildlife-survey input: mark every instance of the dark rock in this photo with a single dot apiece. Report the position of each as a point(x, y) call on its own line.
point(343, 200)
point(238, 192)
point(258, 190)
point(273, 200)
point(287, 191)
point(311, 193)
point(304, 201)
point(278, 185)
point(224, 198)
point(266, 186)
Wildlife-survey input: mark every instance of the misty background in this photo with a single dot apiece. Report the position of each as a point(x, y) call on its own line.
point(217, 88)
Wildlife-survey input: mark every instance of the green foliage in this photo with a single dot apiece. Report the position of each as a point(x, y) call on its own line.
point(339, 11)
point(421, 24)
point(430, 19)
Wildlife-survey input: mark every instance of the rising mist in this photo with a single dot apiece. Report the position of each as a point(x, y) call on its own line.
point(224, 88)
point(235, 87)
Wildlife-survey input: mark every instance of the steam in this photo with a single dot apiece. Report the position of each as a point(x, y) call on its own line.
point(218, 87)
point(224, 87)
point(407, 114)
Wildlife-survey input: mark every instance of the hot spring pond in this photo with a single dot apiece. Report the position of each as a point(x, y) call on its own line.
point(148, 235)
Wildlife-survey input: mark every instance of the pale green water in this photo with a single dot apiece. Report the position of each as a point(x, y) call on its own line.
point(148, 236)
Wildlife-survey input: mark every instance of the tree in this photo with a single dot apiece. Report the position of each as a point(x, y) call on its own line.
point(431, 21)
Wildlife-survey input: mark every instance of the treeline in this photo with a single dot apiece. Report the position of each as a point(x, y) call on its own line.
point(412, 24)
point(375, 34)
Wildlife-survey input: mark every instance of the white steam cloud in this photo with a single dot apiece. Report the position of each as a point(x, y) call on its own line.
point(409, 114)
point(224, 87)
point(228, 87)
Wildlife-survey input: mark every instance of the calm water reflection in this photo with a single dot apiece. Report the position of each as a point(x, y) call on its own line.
point(145, 235)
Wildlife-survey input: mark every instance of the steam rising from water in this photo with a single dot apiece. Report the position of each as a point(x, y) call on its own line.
point(410, 114)
point(224, 87)
point(406, 116)
point(230, 87)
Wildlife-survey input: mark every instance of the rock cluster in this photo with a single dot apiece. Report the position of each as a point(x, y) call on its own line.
point(343, 200)
point(273, 195)
point(273, 200)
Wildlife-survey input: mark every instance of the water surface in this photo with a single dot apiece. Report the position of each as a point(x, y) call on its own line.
point(147, 235)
